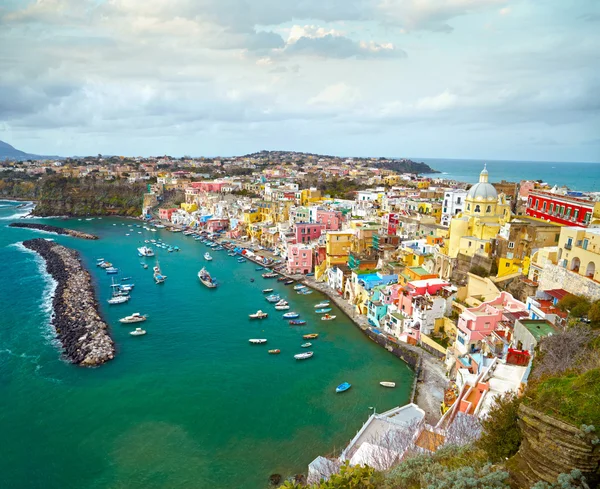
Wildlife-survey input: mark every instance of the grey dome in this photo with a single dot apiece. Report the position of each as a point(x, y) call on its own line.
point(482, 190)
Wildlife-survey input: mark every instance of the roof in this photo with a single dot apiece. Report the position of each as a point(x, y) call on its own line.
point(420, 271)
point(430, 440)
point(557, 293)
point(538, 328)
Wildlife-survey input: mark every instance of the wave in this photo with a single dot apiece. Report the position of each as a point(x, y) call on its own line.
point(33, 360)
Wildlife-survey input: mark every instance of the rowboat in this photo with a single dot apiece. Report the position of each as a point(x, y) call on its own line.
point(291, 315)
point(267, 291)
point(324, 310)
point(297, 322)
point(258, 315)
point(303, 356)
point(273, 298)
point(274, 352)
point(322, 304)
point(257, 341)
point(283, 307)
point(388, 384)
point(299, 287)
point(305, 345)
point(327, 317)
point(311, 336)
point(282, 279)
point(343, 387)
point(288, 282)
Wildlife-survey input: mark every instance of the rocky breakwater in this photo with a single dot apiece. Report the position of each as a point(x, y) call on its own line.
point(52, 229)
point(79, 327)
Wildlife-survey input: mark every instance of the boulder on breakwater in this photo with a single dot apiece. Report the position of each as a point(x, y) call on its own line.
point(52, 229)
point(79, 327)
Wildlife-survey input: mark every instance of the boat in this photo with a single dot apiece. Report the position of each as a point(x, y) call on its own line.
point(258, 269)
point(206, 278)
point(145, 265)
point(138, 332)
point(288, 282)
point(323, 311)
point(219, 248)
point(231, 254)
point(273, 298)
point(112, 270)
point(258, 315)
point(311, 336)
point(291, 315)
point(282, 302)
point(306, 345)
point(283, 307)
point(241, 260)
point(118, 299)
point(297, 322)
point(322, 304)
point(125, 278)
point(388, 384)
point(159, 278)
point(126, 287)
point(145, 251)
point(99, 261)
point(343, 387)
point(282, 279)
point(105, 264)
point(274, 352)
point(136, 317)
point(299, 287)
point(305, 292)
point(304, 356)
point(269, 275)
point(267, 291)
point(327, 317)
point(207, 256)
point(257, 341)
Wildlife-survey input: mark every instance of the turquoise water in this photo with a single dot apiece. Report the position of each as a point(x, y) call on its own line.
point(577, 176)
point(189, 405)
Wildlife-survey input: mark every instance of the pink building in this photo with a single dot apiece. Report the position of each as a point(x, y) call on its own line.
point(418, 288)
point(214, 225)
point(299, 258)
point(210, 186)
point(306, 232)
point(476, 323)
point(165, 214)
point(331, 219)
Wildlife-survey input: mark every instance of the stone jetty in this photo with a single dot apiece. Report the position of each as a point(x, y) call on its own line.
point(52, 229)
point(79, 327)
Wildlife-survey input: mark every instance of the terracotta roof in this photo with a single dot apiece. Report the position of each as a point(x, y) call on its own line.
point(557, 293)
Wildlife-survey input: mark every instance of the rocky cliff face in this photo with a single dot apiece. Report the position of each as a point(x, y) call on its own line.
point(551, 447)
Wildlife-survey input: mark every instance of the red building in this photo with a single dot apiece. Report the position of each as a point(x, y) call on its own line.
point(393, 221)
point(331, 219)
point(166, 214)
point(306, 232)
point(562, 209)
point(215, 225)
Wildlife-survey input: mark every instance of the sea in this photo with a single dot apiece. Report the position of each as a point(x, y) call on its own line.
point(576, 176)
point(189, 405)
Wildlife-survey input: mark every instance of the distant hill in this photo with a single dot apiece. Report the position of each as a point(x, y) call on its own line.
point(8, 152)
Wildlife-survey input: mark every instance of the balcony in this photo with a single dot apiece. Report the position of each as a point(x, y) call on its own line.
point(568, 246)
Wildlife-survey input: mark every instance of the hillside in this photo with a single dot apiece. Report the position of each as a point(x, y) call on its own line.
point(8, 152)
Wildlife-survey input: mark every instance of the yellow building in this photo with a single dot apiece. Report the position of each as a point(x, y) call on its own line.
point(252, 216)
point(423, 184)
point(337, 247)
point(485, 212)
point(309, 195)
point(189, 207)
point(579, 251)
point(392, 179)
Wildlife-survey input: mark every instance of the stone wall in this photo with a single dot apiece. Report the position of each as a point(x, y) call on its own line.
point(555, 277)
point(549, 448)
point(403, 352)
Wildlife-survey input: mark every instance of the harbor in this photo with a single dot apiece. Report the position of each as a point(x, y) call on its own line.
point(192, 386)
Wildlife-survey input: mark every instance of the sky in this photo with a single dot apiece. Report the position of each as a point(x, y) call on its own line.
point(496, 79)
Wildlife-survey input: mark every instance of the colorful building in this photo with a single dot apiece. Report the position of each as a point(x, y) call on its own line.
point(562, 209)
point(332, 220)
point(337, 247)
point(166, 213)
point(306, 232)
point(299, 259)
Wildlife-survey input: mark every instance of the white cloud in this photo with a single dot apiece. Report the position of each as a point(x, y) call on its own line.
point(339, 94)
point(442, 101)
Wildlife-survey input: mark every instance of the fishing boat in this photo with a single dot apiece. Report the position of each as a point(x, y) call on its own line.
point(273, 298)
point(299, 287)
point(269, 275)
point(297, 322)
point(138, 332)
point(304, 356)
point(117, 297)
point(136, 317)
point(159, 278)
point(206, 279)
point(112, 270)
point(323, 311)
point(258, 269)
point(274, 352)
point(305, 292)
point(258, 315)
point(282, 302)
point(283, 307)
point(322, 304)
point(207, 256)
point(267, 291)
point(282, 279)
point(306, 345)
point(343, 387)
point(145, 251)
point(387, 384)
point(257, 341)
point(311, 336)
point(291, 315)
point(288, 282)
point(327, 317)
point(241, 260)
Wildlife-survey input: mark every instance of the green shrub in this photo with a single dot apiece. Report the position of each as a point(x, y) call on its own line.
point(501, 435)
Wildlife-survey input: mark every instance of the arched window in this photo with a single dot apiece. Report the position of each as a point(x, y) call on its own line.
point(468, 207)
point(488, 209)
point(590, 270)
point(477, 208)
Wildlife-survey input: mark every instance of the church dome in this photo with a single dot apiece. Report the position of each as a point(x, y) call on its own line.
point(482, 190)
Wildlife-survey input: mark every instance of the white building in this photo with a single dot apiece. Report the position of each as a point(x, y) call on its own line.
point(454, 202)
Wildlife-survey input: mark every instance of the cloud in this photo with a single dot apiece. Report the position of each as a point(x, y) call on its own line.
point(336, 95)
point(442, 101)
point(330, 46)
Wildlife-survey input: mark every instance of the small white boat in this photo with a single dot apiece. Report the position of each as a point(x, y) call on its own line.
point(299, 287)
point(145, 251)
point(306, 345)
point(327, 317)
point(207, 256)
point(388, 384)
point(321, 305)
point(258, 315)
point(118, 299)
point(136, 317)
point(138, 332)
point(257, 341)
point(283, 307)
point(304, 356)
point(282, 302)
point(267, 291)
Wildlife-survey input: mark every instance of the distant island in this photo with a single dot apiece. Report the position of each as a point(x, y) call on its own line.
point(8, 152)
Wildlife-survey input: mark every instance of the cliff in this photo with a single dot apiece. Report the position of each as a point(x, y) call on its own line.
point(405, 166)
point(53, 229)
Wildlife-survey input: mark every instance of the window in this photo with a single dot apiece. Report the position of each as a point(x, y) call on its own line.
point(551, 208)
point(468, 207)
point(588, 216)
point(568, 214)
point(477, 208)
point(529, 202)
point(469, 244)
point(480, 247)
point(511, 245)
point(488, 209)
point(585, 244)
point(458, 200)
point(544, 207)
point(576, 214)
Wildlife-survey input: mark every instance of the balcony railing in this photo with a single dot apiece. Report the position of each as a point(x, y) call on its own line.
point(568, 246)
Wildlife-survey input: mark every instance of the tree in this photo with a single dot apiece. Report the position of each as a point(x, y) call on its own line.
point(577, 306)
point(501, 435)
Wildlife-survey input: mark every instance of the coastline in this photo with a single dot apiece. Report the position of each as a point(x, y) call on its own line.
point(79, 328)
point(53, 229)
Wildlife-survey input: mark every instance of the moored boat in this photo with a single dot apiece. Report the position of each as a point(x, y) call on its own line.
point(283, 307)
point(136, 317)
point(159, 278)
point(267, 291)
point(343, 387)
point(327, 317)
point(138, 332)
point(273, 298)
point(387, 384)
point(269, 275)
point(311, 336)
point(111, 271)
point(258, 315)
point(288, 282)
point(282, 279)
point(282, 302)
point(297, 322)
point(299, 287)
point(258, 269)
point(306, 345)
point(118, 299)
point(242, 260)
point(257, 341)
point(291, 315)
point(274, 352)
point(322, 304)
point(304, 356)
point(145, 251)
point(206, 279)
point(207, 256)
point(323, 311)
